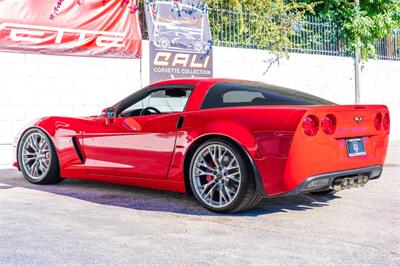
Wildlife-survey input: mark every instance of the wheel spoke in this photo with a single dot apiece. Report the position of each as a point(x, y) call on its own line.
point(213, 156)
point(232, 178)
point(203, 173)
point(36, 140)
point(26, 160)
point(46, 163)
point(210, 193)
point(42, 168)
point(207, 185)
point(37, 168)
point(33, 167)
point(221, 192)
point(204, 165)
point(221, 157)
point(234, 173)
point(231, 168)
point(42, 144)
point(233, 160)
point(31, 144)
point(204, 161)
point(228, 191)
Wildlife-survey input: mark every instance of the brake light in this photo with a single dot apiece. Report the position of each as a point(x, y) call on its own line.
point(328, 124)
point(378, 121)
point(386, 121)
point(311, 125)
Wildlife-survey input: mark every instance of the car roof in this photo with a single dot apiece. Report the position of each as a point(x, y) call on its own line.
point(194, 81)
point(211, 81)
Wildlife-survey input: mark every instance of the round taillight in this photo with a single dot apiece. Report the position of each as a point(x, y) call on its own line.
point(378, 121)
point(310, 125)
point(328, 124)
point(386, 121)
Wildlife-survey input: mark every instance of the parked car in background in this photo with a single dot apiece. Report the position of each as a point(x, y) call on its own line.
point(182, 30)
point(179, 40)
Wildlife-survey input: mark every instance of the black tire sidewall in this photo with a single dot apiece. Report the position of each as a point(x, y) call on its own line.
point(245, 176)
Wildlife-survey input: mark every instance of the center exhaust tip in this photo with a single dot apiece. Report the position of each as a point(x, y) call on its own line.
point(349, 182)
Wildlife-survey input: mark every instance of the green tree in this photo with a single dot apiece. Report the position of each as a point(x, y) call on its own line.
point(361, 26)
point(269, 24)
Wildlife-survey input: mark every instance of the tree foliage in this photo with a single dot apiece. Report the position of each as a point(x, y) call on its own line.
point(273, 23)
point(267, 23)
point(361, 26)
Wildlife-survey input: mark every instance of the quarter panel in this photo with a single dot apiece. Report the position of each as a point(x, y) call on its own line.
point(264, 132)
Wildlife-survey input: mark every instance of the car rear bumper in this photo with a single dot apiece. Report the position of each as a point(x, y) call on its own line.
point(325, 181)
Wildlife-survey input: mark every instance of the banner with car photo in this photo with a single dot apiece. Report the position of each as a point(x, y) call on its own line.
point(180, 40)
point(70, 27)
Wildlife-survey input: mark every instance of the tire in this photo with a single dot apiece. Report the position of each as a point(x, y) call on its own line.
point(164, 43)
point(37, 158)
point(221, 179)
point(198, 47)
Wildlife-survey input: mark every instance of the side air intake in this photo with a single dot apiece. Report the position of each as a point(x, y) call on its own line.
point(78, 149)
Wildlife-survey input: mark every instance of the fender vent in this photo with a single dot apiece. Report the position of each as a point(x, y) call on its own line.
point(78, 149)
point(179, 123)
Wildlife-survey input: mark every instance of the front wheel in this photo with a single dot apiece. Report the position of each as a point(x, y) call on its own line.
point(220, 178)
point(38, 158)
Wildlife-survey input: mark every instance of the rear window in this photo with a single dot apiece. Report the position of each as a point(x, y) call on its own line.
point(227, 94)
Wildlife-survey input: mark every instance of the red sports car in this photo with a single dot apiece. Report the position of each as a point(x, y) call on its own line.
point(230, 143)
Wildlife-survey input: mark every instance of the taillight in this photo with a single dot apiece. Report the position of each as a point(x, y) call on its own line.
point(310, 125)
point(386, 121)
point(378, 121)
point(328, 124)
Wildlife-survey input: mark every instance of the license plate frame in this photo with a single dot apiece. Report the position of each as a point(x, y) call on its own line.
point(355, 147)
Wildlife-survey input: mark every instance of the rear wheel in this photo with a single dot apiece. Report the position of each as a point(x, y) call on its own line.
point(198, 47)
point(38, 158)
point(220, 178)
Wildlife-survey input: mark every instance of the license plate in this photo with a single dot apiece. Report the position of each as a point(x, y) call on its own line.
point(355, 147)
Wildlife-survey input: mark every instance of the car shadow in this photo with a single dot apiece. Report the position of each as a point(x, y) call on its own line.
point(155, 200)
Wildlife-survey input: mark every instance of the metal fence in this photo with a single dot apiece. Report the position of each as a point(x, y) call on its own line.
point(312, 36)
point(389, 48)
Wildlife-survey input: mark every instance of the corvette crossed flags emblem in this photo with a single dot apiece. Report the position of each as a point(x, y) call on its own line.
point(358, 119)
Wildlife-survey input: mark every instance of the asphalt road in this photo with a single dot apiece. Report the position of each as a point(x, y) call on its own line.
point(79, 222)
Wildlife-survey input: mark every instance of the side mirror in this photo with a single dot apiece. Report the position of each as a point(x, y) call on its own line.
point(110, 115)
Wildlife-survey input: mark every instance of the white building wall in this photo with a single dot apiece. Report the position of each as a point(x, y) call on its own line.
point(39, 85)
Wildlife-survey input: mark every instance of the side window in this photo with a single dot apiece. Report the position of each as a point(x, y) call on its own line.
point(230, 96)
point(169, 100)
point(242, 96)
point(254, 93)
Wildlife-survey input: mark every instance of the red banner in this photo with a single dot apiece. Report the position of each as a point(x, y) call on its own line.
point(71, 27)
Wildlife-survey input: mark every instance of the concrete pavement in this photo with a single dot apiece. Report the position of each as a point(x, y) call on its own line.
point(79, 222)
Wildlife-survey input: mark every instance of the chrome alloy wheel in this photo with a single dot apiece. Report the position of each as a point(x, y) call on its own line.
point(36, 156)
point(216, 175)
